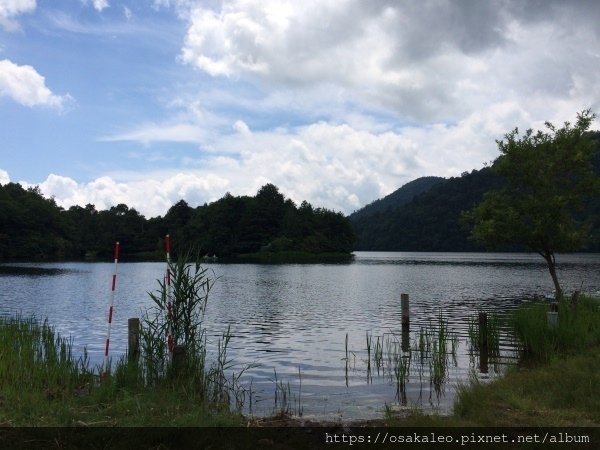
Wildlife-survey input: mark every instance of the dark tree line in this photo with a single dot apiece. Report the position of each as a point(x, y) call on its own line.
point(36, 228)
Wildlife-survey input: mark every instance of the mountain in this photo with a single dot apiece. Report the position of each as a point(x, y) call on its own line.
point(398, 198)
point(425, 214)
point(430, 220)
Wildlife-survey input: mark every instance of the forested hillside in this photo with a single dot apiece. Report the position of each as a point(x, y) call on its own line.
point(398, 198)
point(431, 221)
point(34, 228)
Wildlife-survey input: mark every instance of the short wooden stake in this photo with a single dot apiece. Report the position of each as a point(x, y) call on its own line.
point(133, 341)
point(405, 310)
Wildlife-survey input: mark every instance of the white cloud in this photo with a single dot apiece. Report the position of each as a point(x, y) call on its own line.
point(177, 132)
point(4, 178)
point(241, 127)
point(333, 165)
point(341, 102)
point(127, 13)
point(26, 86)
point(151, 196)
point(99, 5)
point(426, 61)
point(9, 9)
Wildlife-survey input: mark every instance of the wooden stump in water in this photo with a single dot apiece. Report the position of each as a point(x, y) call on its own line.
point(405, 311)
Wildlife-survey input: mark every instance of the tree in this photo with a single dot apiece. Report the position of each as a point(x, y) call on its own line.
point(549, 177)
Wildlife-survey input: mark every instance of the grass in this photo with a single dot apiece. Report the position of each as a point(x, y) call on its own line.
point(578, 328)
point(43, 385)
point(560, 392)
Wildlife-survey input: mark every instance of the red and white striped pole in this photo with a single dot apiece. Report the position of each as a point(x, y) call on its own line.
point(169, 297)
point(110, 309)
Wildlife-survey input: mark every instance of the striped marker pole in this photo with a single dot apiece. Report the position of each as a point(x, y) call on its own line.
point(169, 297)
point(110, 309)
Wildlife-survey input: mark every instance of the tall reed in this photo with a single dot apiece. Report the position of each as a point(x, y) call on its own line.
point(184, 319)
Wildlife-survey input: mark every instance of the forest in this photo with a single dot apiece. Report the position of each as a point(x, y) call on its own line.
point(426, 214)
point(34, 228)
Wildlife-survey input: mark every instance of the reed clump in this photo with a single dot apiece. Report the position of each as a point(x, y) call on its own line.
point(34, 357)
point(578, 327)
point(178, 317)
point(399, 358)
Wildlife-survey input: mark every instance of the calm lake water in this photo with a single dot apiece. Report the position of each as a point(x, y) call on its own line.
point(292, 320)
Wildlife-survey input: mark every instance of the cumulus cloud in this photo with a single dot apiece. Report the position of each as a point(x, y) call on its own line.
point(26, 86)
point(428, 60)
point(9, 9)
point(341, 102)
point(337, 166)
point(151, 195)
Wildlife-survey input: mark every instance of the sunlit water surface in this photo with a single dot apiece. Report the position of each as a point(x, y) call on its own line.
point(292, 320)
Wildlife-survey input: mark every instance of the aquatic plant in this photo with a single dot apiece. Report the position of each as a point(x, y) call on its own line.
point(286, 403)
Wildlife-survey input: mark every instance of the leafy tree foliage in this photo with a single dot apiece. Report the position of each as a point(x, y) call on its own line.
point(550, 179)
point(35, 228)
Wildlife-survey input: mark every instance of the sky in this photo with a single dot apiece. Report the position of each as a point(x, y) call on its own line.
point(337, 102)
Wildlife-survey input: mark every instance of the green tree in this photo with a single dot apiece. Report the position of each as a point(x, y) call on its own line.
point(550, 176)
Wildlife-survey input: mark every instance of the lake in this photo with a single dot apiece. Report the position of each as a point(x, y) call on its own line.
point(293, 319)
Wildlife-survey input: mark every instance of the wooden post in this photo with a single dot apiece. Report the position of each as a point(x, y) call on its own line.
point(405, 311)
point(133, 342)
point(179, 359)
point(483, 362)
point(405, 339)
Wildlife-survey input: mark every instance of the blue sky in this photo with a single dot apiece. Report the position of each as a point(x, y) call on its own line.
point(336, 102)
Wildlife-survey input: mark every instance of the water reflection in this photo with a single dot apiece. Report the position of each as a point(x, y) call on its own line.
point(293, 319)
